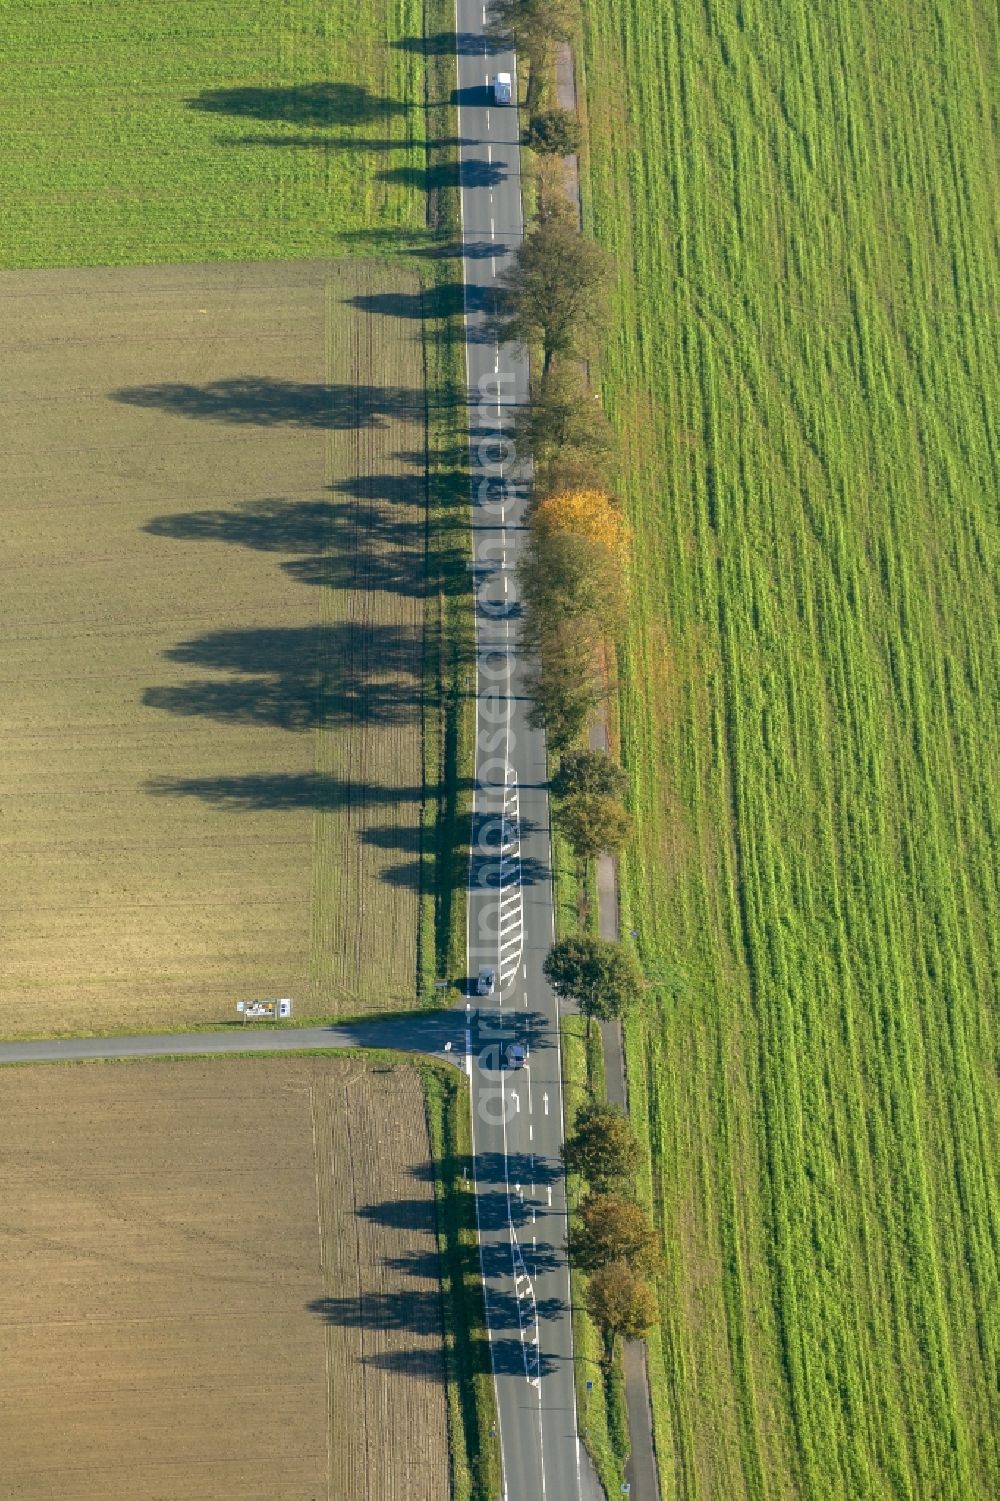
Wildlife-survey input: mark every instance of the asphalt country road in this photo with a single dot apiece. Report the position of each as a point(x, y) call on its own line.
point(517, 1114)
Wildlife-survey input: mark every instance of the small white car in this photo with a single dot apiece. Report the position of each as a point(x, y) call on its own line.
point(502, 89)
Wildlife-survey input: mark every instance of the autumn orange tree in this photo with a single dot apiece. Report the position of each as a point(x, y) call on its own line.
point(614, 1228)
point(583, 513)
point(576, 562)
point(622, 1304)
point(572, 585)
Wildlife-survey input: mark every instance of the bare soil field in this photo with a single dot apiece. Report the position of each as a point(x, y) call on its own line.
point(213, 506)
point(219, 1280)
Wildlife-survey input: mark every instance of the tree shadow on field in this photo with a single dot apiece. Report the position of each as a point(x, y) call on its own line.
point(298, 678)
point(420, 244)
point(458, 174)
point(356, 543)
point(408, 1310)
point(264, 402)
point(415, 1216)
point(451, 300)
point(320, 103)
point(372, 144)
point(443, 44)
point(284, 792)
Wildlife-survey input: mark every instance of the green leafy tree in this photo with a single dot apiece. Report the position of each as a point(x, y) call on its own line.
point(570, 469)
point(593, 824)
point(553, 132)
point(602, 977)
point(559, 284)
point(564, 683)
point(614, 1228)
point(591, 771)
point(603, 1146)
point(622, 1304)
point(535, 26)
point(564, 576)
point(565, 417)
point(554, 195)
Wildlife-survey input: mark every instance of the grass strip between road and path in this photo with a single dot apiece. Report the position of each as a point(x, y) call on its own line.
point(449, 705)
point(601, 1419)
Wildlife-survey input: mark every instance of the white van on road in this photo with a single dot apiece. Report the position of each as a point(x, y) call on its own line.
point(502, 89)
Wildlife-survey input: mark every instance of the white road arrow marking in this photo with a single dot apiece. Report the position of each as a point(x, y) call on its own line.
point(545, 1102)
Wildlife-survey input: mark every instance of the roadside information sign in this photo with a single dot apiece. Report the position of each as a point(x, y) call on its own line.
point(265, 1011)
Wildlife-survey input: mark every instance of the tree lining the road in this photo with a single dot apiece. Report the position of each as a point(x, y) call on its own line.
point(553, 132)
point(556, 292)
point(535, 27)
point(573, 588)
point(565, 419)
point(622, 1304)
point(603, 1147)
point(590, 790)
point(601, 976)
point(590, 771)
point(593, 824)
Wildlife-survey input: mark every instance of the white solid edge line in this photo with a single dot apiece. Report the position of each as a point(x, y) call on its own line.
point(470, 887)
point(469, 899)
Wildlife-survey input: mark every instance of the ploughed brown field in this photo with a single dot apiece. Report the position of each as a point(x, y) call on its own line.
point(219, 1280)
point(213, 576)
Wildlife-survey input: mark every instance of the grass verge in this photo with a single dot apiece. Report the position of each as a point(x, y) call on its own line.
point(449, 738)
point(471, 1407)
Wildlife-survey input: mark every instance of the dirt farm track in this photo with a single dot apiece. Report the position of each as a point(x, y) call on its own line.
point(219, 1280)
point(212, 574)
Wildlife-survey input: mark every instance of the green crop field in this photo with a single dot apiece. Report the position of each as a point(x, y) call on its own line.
point(213, 129)
point(805, 205)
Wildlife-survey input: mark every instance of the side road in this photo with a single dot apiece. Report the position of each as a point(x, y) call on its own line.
point(433, 1032)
